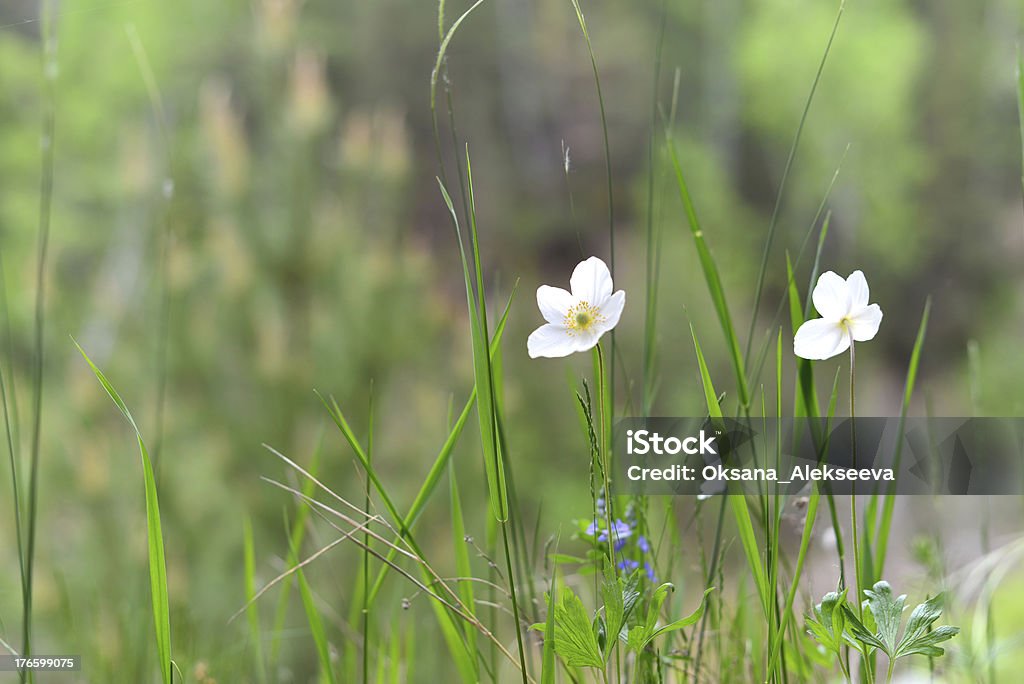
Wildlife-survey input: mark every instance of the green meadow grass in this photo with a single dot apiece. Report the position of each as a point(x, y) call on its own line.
point(513, 596)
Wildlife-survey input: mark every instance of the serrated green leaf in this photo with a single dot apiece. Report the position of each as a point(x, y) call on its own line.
point(917, 639)
point(858, 635)
point(887, 610)
point(922, 618)
point(829, 621)
point(614, 614)
point(635, 638)
point(575, 641)
point(925, 644)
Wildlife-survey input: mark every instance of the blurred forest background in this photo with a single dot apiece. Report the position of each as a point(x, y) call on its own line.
point(271, 224)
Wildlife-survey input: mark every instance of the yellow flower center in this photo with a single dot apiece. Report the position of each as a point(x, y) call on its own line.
point(582, 317)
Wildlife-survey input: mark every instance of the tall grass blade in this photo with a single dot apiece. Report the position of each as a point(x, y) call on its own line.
point(316, 628)
point(737, 502)
point(810, 516)
point(885, 523)
point(366, 552)
point(252, 612)
point(48, 35)
point(443, 457)
point(482, 370)
point(10, 429)
point(653, 237)
point(608, 177)
point(463, 567)
point(604, 131)
point(154, 533)
point(711, 275)
point(773, 223)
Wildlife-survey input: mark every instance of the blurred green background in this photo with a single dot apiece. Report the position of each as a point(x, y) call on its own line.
point(271, 224)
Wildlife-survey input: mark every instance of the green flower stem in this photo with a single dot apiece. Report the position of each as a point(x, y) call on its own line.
point(857, 578)
point(853, 484)
point(602, 446)
point(604, 422)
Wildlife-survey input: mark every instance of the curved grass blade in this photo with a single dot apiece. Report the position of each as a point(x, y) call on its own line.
point(154, 533)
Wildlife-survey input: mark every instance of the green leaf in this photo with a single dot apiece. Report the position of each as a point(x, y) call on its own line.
point(887, 610)
point(575, 640)
point(925, 645)
point(917, 638)
point(690, 619)
point(643, 634)
point(859, 636)
point(635, 638)
point(829, 622)
point(614, 613)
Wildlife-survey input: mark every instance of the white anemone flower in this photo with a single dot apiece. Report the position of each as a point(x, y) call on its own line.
point(846, 317)
point(576, 320)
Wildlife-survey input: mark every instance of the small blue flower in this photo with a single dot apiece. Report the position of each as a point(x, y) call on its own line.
point(650, 572)
point(621, 531)
point(627, 566)
point(643, 544)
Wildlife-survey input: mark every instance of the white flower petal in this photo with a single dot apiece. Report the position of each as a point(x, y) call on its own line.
point(611, 310)
point(831, 296)
point(820, 339)
point(857, 286)
point(864, 323)
point(554, 303)
point(591, 282)
point(585, 340)
point(550, 341)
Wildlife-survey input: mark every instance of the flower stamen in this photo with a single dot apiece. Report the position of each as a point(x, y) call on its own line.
point(582, 317)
